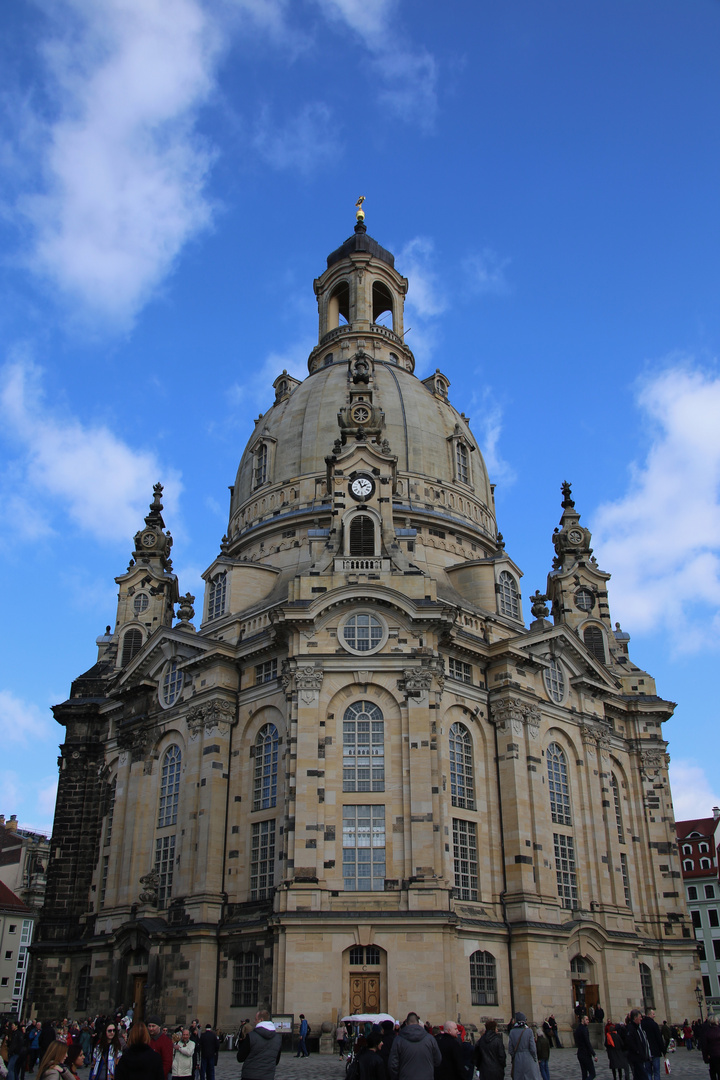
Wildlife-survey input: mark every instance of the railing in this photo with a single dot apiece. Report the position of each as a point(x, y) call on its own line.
point(361, 563)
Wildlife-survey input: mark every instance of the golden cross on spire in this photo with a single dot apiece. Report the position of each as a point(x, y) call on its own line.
point(360, 215)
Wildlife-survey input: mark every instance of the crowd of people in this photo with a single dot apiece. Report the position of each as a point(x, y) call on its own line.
point(116, 1048)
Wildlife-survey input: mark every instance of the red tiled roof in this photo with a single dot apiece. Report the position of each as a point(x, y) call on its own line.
point(10, 902)
point(704, 825)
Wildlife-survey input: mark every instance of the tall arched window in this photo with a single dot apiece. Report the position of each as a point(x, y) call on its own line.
point(170, 787)
point(266, 767)
point(461, 462)
point(363, 748)
point(461, 767)
point(132, 643)
point(483, 979)
point(555, 681)
point(595, 642)
point(614, 787)
point(646, 987)
point(362, 535)
point(217, 596)
point(558, 785)
point(110, 812)
point(508, 596)
point(382, 303)
point(260, 469)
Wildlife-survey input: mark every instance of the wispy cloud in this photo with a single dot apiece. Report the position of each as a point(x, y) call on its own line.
point(303, 143)
point(407, 76)
point(425, 300)
point(694, 795)
point(64, 466)
point(120, 186)
point(662, 539)
point(484, 272)
point(257, 390)
point(22, 721)
point(487, 422)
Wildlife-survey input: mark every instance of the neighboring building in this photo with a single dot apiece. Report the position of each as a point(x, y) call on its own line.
point(23, 861)
point(698, 858)
point(363, 782)
point(16, 934)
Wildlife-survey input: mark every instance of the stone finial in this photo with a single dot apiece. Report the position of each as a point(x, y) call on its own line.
point(186, 611)
point(567, 502)
point(500, 540)
point(539, 607)
point(224, 544)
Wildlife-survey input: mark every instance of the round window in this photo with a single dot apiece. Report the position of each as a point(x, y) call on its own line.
point(363, 632)
point(555, 681)
point(584, 600)
point(141, 603)
point(171, 685)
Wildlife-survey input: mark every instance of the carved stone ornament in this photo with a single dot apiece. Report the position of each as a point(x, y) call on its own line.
point(539, 605)
point(416, 682)
point(150, 887)
point(512, 715)
point(136, 740)
point(308, 681)
point(218, 715)
point(652, 761)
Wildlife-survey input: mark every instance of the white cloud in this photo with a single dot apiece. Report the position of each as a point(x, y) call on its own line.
point(488, 428)
point(102, 484)
point(425, 295)
point(408, 77)
point(304, 143)
point(484, 272)
point(122, 170)
point(694, 795)
point(258, 389)
point(662, 540)
point(22, 721)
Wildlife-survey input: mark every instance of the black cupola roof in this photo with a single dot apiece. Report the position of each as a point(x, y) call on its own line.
point(360, 241)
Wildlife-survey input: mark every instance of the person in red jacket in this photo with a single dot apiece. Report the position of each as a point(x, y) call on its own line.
point(161, 1044)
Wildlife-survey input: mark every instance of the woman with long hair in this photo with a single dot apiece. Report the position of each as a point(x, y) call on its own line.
point(52, 1065)
point(140, 1061)
point(75, 1058)
point(106, 1054)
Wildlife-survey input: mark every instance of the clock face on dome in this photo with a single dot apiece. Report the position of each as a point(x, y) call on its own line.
point(362, 487)
point(575, 536)
point(149, 540)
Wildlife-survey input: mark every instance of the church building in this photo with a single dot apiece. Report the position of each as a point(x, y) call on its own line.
point(351, 777)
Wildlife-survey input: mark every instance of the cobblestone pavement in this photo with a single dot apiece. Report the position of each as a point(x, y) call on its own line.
point(684, 1065)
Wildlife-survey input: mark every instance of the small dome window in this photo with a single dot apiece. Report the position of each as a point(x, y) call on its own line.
point(132, 643)
point(595, 642)
point(508, 597)
point(141, 603)
point(328, 360)
point(172, 684)
point(555, 681)
point(362, 535)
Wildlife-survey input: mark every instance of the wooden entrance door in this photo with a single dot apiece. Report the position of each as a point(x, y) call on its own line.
point(364, 993)
point(139, 982)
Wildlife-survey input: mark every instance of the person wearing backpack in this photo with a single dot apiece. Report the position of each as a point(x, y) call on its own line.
point(259, 1052)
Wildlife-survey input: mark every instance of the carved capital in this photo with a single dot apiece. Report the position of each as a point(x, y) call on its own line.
point(217, 715)
point(512, 715)
point(136, 740)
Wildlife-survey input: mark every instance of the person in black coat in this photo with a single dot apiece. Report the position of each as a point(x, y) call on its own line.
point(655, 1040)
point(452, 1066)
point(490, 1055)
point(370, 1064)
point(139, 1061)
point(637, 1047)
point(585, 1053)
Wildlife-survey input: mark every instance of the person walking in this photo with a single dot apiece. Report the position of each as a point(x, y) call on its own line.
point(183, 1053)
point(106, 1054)
point(341, 1038)
point(585, 1053)
point(415, 1054)
point(655, 1040)
point(452, 1065)
point(637, 1046)
point(209, 1049)
point(542, 1044)
point(490, 1056)
point(160, 1043)
point(522, 1049)
point(711, 1047)
point(304, 1030)
point(259, 1051)
point(554, 1037)
point(615, 1046)
point(370, 1065)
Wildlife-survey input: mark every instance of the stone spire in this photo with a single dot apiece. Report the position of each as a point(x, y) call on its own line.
point(570, 539)
point(152, 544)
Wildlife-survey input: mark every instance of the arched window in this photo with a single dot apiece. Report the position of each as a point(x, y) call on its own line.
point(646, 986)
point(704, 864)
point(462, 464)
point(614, 787)
point(688, 864)
point(558, 785)
point(483, 979)
point(595, 642)
point(170, 787)
point(217, 596)
point(172, 683)
point(461, 768)
point(363, 748)
point(363, 632)
point(382, 302)
point(266, 767)
point(362, 535)
point(132, 643)
point(110, 812)
point(83, 989)
point(555, 681)
point(584, 599)
point(364, 956)
point(579, 965)
point(508, 596)
point(704, 848)
point(245, 981)
point(338, 312)
point(687, 849)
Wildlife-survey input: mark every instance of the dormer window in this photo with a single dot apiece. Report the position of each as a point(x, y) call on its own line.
point(260, 472)
point(595, 642)
point(217, 596)
point(508, 595)
point(462, 464)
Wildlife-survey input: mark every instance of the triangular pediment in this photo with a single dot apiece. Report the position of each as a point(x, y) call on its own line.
point(165, 644)
point(561, 643)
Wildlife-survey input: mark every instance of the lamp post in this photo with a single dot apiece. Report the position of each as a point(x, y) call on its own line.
point(699, 996)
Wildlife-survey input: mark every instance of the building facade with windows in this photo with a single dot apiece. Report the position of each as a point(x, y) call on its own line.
point(17, 922)
point(358, 780)
point(697, 849)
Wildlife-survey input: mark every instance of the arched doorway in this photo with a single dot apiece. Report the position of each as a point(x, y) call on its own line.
point(366, 978)
point(584, 986)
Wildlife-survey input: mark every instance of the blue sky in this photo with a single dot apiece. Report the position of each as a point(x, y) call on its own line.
point(174, 174)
